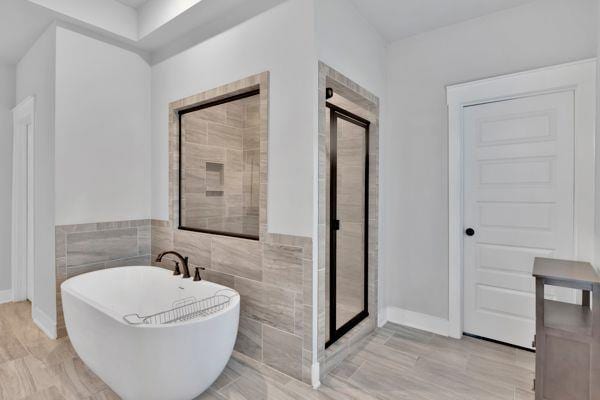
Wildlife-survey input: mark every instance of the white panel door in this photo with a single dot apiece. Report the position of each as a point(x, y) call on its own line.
point(518, 199)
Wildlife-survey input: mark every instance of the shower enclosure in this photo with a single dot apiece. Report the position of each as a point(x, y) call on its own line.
point(347, 267)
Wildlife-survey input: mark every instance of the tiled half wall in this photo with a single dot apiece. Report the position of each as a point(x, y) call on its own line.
point(273, 277)
point(89, 247)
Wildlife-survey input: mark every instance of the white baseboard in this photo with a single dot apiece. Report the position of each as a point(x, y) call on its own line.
point(417, 320)
point(5, 296)
point(315, 375)
point(44, 322)
point(382, 318)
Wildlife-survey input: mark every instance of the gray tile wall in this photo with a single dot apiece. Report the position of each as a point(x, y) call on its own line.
point(273, 277)
point(89, 247)
point(220, 158)
point(270, 277)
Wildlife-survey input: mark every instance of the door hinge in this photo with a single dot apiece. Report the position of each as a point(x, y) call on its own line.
point(335, 224)
point(533, 343)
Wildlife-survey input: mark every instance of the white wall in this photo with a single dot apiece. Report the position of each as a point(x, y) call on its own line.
point(35, 77)
point(281, 41)
point(102, 132)
point(415, 209)
point(7, 102)
point(348, 43)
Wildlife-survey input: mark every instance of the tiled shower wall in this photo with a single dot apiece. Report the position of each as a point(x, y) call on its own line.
point(221, 146)
point(89, 247)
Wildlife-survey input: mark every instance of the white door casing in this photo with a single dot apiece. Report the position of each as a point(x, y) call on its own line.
point(518, 199)
point(30, 214)
point(22, 244)
point(579, 79)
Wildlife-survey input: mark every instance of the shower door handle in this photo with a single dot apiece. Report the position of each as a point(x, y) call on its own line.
point(335, 224)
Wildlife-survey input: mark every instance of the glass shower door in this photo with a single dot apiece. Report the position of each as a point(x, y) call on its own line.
point(348, 227)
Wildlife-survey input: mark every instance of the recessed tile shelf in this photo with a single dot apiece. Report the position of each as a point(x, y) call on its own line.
point(215, 179)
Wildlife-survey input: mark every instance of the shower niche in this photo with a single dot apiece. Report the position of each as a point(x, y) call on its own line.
point(219, 166)
point(215, 179)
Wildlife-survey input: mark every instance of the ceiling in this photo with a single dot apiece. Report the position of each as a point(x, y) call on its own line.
point(397, 19)
point(22, 22)
point(133, 3)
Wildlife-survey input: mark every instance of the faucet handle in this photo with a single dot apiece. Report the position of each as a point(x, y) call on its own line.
point(197, 274)
point(177, 271)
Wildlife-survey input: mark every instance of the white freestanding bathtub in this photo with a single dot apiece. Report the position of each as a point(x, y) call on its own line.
point(174, 361)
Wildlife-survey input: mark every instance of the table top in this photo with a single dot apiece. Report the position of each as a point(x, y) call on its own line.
point(565, 270)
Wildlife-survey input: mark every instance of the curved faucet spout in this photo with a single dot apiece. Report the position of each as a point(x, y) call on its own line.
point(184, 261)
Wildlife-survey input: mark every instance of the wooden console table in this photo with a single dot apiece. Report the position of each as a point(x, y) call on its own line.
point(567, 341)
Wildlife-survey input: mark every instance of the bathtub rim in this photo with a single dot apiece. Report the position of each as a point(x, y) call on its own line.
point(66, 287)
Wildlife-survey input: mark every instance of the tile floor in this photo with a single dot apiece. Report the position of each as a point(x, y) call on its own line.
point(393, 363)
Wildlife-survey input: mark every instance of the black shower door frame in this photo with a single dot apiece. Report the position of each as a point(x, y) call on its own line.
point(334, 224)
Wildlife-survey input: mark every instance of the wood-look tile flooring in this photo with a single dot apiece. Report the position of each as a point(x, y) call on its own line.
point(393, 363)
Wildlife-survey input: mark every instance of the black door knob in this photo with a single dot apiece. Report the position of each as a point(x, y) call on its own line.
point(470, 231)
